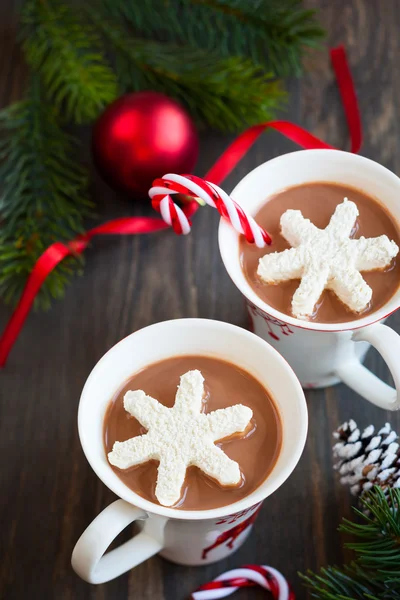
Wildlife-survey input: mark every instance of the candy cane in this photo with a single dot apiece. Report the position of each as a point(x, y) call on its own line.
point(250, 575)
point(211, 194)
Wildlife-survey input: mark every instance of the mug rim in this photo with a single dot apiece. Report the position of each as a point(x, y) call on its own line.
point(255, 497)
point(226, 230)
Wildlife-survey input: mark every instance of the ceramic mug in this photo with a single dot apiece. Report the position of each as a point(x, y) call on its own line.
point(194, 537)
point(321, 354)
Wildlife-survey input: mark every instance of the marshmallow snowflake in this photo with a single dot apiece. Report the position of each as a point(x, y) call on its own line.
point(326, 259)
point(181, 436)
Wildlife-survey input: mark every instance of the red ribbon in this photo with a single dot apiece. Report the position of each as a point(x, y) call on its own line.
point(218, 172)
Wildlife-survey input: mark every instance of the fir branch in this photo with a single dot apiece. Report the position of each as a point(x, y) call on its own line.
point(375, 572)
point(272, 33)
point(379, 532)
point(66, 53)
point(225, 93)
point(42, 197)
point(43, 190)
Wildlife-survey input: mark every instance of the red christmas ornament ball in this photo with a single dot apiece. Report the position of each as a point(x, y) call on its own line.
point(140, 137)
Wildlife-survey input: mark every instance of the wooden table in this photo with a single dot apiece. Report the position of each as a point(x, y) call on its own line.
point(48, 492)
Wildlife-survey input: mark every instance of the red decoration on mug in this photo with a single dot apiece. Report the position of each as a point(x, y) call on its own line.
point(242, 513)
point(271, 322)
point(228, 537)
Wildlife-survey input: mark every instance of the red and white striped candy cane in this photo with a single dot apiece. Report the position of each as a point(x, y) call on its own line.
point(250, 575)
point(211, 194)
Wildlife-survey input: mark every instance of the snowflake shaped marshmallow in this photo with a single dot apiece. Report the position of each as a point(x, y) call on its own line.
point(181, 436)
point(326, 259)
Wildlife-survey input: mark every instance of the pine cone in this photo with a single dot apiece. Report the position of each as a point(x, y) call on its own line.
point(367, 459)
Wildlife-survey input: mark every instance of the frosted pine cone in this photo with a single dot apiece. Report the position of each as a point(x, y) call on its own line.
point(368, 458)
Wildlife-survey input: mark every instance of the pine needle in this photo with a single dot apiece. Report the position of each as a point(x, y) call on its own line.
point(375, 572)
point(271, 33)
point(43, 194)
point(66, 53)
point(225, 93)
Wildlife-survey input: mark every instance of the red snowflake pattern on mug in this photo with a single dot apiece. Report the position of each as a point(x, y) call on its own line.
point(271, 322)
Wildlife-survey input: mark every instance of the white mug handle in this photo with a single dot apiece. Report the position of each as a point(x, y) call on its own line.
point(89, 560)
point(365, 383)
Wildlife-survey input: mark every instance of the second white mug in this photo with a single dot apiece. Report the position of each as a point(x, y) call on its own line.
point(189, 537)
point(321, 354)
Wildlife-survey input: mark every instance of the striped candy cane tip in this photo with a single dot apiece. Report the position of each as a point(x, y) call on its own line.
point(267, 238)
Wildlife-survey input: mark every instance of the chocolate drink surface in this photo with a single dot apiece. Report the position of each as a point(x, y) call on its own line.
point(317, 202)
point(256, 450)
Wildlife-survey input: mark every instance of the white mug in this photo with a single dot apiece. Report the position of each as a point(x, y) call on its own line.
point(195, 537)
point(321, 354)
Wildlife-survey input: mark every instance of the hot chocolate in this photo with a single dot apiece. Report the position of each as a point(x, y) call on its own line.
point(254, 448)
point(322, 203)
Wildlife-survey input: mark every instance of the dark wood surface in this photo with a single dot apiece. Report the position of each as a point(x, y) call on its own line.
point(48, 492)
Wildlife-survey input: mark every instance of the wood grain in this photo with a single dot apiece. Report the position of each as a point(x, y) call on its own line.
point(49, 493)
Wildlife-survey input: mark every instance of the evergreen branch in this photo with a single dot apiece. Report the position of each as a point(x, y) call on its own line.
point(225, 93)
point(43, 189)
point(42, 197)
point(66, 52)
point(375, 572)
point(379, 549)
point(338, 584)
point(272, 33)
